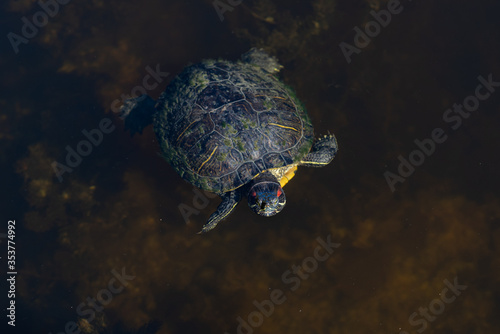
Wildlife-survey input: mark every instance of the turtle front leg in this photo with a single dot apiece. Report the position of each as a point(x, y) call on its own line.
point(322, 152)
point(137, 113)
point(229, 202)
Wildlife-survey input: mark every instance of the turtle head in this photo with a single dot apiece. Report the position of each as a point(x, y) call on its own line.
point(266, 197)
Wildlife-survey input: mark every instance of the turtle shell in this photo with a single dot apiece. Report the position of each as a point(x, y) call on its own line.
point(220, 124)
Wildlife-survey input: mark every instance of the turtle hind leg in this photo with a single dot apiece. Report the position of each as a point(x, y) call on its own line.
point(137, 113)
point(322, 152)
point(261, 59)
point(229, 202)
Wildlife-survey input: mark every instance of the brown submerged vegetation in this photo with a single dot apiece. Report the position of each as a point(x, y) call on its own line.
point(119, 208)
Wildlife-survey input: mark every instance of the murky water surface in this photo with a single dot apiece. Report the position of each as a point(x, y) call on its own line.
point(398, 235)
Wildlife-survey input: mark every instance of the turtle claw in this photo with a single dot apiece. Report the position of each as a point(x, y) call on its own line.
point(229, 202)
point(322, 152)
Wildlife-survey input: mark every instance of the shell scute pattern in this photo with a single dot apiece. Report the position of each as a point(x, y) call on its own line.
point(274, 160)
point(218, 94)
point(227, 122)
point(257, 102)
point(247, 171)
point(250, 144)
point(234, 118)
point(218, 72)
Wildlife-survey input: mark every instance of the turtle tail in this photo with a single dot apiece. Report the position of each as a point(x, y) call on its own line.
point(137, 113)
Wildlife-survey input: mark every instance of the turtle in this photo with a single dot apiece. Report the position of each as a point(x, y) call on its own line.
point(234, 129)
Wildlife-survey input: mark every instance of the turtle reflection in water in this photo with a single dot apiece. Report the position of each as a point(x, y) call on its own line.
point(234, 129)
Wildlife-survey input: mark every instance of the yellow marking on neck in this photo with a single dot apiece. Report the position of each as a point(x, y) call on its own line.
point(283, 126)
point(204, 162)
point(288, 176)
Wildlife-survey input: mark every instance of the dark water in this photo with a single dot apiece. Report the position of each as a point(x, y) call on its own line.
point(107, 249)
